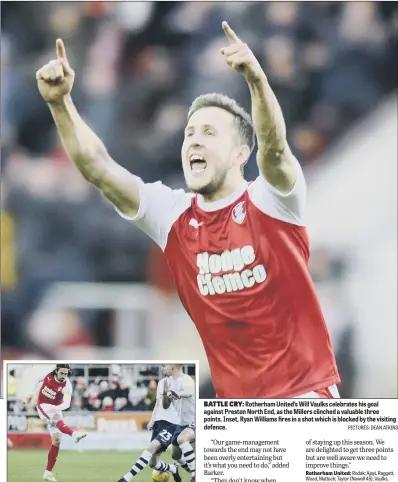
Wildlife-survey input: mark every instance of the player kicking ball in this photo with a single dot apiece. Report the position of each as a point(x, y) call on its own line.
point(238, 251)
point(163, 423)
point(52, 395)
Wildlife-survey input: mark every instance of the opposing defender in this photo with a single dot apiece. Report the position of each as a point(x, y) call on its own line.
point(238, 251)
point(164, 422)
point(52, 395)
point(181, 394)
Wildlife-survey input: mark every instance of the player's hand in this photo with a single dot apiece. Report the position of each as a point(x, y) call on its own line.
point(173, 395)
point(55, 79)
point(239, 56)
point(150, 425)
point(166, 387)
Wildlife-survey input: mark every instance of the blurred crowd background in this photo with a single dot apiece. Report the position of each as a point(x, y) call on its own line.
point(105, 388)
point(77, 280)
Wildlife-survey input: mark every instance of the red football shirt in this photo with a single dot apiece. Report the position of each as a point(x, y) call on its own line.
point(52, 392)
point(240, 266)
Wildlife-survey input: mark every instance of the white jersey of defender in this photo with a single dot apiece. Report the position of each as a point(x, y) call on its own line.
point(168, 415)
point(185, 406)
point(161, 206)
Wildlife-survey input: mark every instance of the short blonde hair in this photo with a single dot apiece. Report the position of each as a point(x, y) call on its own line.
point(242, 118)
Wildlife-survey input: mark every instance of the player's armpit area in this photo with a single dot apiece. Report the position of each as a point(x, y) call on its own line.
point(159, 207)
point(279, 168)
point(117, 185)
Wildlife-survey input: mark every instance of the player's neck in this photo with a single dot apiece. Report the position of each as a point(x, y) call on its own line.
point(226, 190)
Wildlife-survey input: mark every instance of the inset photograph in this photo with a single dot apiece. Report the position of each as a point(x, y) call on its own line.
point(101, 422)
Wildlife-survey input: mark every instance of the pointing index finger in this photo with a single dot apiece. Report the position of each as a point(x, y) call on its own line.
point(61, 53)
point(231, 35)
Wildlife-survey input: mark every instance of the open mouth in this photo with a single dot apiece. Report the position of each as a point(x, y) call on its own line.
point(197, 162)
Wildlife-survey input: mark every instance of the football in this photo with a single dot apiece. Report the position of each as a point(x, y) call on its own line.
point(160, 476)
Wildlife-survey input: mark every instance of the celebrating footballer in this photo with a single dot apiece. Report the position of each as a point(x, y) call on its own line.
point(238, 251)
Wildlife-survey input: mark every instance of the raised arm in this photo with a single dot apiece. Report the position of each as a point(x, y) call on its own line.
point(274, 158)
point(166, 399)
point(82, 146)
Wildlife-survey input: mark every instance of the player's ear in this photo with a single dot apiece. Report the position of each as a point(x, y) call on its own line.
point(243, 154)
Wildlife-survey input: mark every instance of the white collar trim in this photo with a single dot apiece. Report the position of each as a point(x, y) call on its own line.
point(222, 203)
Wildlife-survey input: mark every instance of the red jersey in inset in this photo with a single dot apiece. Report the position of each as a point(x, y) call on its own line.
point(52, 392)
point(240, 266)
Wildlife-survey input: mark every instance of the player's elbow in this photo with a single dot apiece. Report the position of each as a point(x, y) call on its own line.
point(65, 405)
point(93, 164)
point(274, 151)
point(271, 138)
point(93, 172)
point(187, 394)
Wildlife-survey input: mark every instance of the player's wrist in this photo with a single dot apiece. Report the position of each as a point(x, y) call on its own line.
point(60, 104)
point(256, 78)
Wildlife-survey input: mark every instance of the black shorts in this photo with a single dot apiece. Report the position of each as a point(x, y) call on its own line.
point(163, 432)
point(178, 430)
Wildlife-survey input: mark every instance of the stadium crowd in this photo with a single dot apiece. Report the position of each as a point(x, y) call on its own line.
point(115, 393)
point(114, 396)
point(139, 65)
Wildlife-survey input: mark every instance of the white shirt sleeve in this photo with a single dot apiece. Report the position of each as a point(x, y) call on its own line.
point(68, 389)
point(36, 389)
point(160, 206)
point(67, 396)
point(38, 383)
point(160, 388)
point(188, 387)
point(288, 207)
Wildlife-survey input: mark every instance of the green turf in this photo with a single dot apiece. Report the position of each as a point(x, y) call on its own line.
point(71, 466)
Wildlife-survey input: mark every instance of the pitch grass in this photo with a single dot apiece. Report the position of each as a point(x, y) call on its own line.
point(75, 466)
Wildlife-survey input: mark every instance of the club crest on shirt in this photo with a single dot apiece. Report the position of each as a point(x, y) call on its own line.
point(193, 222)
point(239, 213)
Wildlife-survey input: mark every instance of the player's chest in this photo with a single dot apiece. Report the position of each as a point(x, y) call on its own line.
point(222, 241)
point(51, 391)
point(175, 384)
